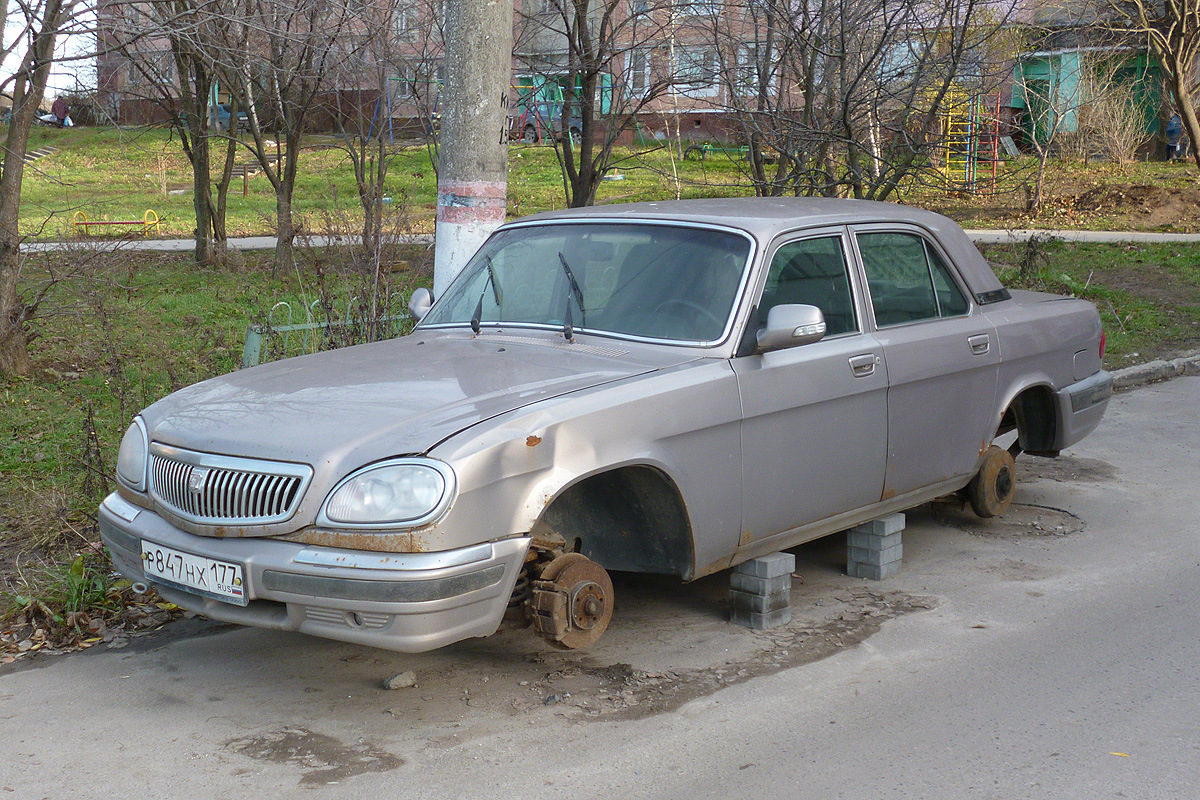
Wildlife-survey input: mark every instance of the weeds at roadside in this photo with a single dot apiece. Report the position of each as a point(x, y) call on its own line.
point(74, 605)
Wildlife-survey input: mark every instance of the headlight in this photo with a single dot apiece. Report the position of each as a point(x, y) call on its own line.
point(403, 492)
point(131, 458)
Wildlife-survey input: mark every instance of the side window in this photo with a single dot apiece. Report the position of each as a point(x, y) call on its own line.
point(907, 280)
point(812, 271)
point(950, 298)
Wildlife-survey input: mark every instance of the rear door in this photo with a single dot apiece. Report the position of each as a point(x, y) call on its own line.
point(814, 417)
point(942, 357)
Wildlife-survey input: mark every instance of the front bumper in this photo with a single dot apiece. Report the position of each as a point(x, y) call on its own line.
point(1081, 406)
point(408, 602)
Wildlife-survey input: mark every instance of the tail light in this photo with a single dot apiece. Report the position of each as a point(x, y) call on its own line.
point(1103, 341)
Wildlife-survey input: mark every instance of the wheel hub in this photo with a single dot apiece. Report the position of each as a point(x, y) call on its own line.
point(572, 603)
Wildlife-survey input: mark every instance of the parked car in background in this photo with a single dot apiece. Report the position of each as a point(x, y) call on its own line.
point(544, 119)
point(668, 388)
point(224, 110)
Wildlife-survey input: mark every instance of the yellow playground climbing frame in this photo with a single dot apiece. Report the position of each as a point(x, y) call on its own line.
point(969, 141)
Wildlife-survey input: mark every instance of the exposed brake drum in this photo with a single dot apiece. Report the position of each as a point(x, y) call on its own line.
point(572, 602)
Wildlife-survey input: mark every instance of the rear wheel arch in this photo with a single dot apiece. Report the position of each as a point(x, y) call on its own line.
point(1033, 413)
point(630, 518)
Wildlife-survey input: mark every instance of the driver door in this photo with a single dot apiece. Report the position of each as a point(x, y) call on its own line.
point(814, 417)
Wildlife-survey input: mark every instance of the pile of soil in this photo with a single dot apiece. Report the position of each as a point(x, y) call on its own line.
point(1146, 206)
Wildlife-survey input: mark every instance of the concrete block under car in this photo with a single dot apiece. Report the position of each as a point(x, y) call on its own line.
point(884, 526)
point(762, 603)
point(874, 549)
point(760, 622)
point(857, 538)
point(871, 555)
point(756, 585)
point(769, 566)
point(873, 572)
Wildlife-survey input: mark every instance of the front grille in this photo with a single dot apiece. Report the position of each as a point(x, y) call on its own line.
point(224, 490)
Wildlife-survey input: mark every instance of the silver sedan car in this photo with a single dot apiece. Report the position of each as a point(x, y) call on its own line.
point(670, 388)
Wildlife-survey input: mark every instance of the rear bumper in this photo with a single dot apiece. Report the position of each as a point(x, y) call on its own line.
point(404, 602)
point(1081, 406)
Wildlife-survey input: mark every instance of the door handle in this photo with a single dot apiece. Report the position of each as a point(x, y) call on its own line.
point(862, 365)
point(980, 343)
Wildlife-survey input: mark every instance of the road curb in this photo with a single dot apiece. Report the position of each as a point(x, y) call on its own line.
point(1153, 371)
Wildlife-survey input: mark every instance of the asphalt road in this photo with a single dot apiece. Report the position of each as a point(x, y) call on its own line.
point(1052, 654)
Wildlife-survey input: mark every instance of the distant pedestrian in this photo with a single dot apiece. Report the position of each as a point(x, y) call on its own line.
point(1174, 136)
point(60, 110)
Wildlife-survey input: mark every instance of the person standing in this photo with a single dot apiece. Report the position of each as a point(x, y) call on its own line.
point(60, 110)
point(1174, 136)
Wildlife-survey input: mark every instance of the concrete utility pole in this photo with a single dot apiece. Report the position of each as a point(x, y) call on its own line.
point(473, 173)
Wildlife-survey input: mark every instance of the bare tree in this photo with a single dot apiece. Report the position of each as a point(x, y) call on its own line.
point(275, 58)
point(164, 48)
point(1113, 120)
point(846, 96)
point(1051, 109)
point(363, 84)
point(1171, 29)
point(600, 55)
point(36, 25)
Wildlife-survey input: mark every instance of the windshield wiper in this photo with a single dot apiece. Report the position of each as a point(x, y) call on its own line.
point(491, 279)
point(568, 329)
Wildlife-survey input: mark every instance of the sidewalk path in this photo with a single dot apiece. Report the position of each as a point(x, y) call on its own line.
point(982, 236)
point(993, 236)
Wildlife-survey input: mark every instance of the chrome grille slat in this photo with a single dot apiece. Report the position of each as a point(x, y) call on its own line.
point(225, 490)
point(263, 503)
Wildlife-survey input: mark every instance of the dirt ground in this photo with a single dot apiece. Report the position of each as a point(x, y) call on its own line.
point(1090, 204)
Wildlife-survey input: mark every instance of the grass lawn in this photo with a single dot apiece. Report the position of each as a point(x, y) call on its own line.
point(118, 174)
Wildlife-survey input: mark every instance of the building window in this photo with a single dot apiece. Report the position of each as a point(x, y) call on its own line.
point(698, 8)
point(696, 71)
point(637, 73)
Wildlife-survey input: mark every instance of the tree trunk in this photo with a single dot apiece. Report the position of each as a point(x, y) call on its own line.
point(201, 198)
point(28, 88)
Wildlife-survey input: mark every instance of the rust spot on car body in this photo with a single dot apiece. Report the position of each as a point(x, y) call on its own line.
point(533, 441)
point(406, 542)
point(888, 494)
point(716, 566)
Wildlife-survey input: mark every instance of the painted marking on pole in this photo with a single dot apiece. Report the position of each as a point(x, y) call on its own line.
point(471, 201)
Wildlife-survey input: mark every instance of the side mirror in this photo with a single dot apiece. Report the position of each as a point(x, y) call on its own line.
point(790, 326)
point(419, 303)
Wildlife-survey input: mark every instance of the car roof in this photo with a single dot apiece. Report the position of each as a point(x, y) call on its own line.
point(766, 217)
point(761, 216)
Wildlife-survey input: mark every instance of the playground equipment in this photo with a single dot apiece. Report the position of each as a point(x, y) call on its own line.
point(969, 141)
point(149, 220)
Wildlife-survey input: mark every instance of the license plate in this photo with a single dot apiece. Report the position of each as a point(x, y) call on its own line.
point(221, 580)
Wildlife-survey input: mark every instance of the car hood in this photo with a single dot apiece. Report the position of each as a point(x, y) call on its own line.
point(343, 408)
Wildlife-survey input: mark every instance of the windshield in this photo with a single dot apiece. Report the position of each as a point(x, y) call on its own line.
point(655, 281)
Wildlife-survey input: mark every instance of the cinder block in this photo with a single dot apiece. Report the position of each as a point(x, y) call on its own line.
point(753, 619)
point(770, 566)
point(762, 603)
point(869, 555)
point(873, 572)
point(755, 585)
point(857, 538)
point(884, 526)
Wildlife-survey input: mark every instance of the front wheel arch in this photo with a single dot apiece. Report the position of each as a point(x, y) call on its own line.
point(630, 519)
